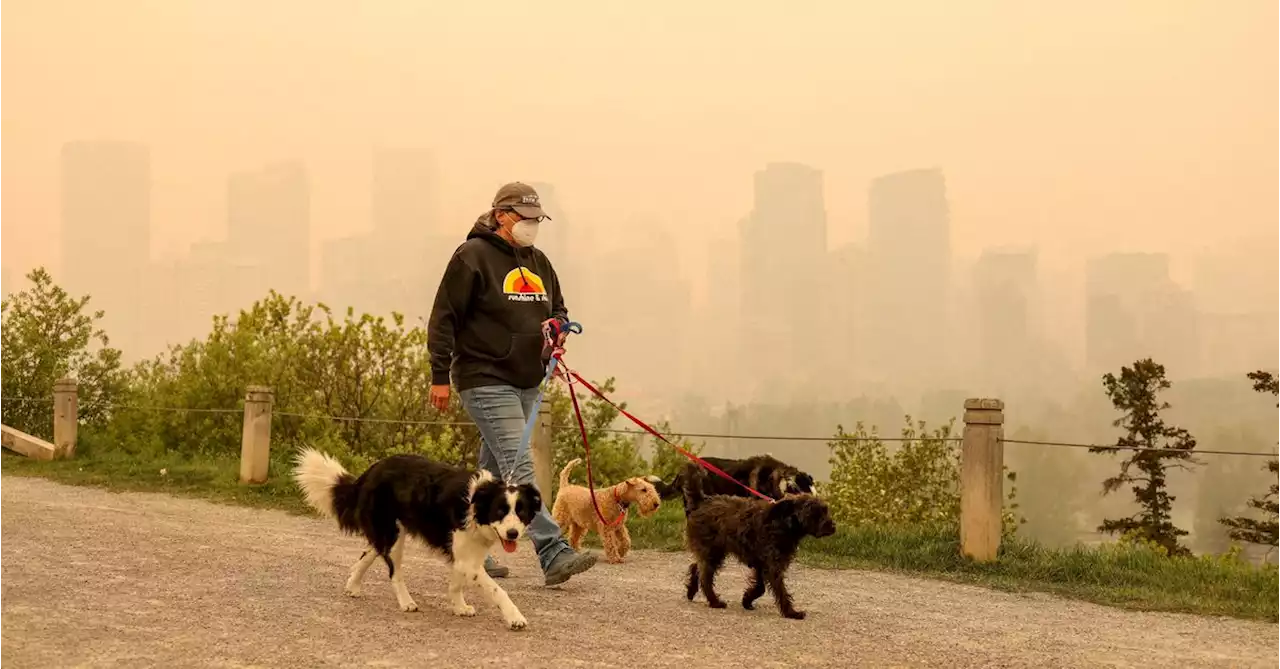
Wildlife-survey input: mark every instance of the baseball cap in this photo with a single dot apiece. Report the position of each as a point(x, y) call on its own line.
point(521, 198)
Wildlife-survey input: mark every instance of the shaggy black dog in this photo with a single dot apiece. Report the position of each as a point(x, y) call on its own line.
point(764, 473)
point(459, 512)
point(764, 535)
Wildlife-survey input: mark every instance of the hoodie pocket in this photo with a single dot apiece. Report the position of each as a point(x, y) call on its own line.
point(524, 360)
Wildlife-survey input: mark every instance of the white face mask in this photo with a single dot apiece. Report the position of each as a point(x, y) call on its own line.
point(524, 232)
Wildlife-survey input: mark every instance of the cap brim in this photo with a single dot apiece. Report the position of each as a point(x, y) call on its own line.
point(528, 211)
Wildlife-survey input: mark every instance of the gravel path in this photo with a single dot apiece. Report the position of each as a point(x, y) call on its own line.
point(92, 578)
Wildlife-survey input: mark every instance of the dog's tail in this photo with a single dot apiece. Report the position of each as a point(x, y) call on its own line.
point(564, 473)
point(327, 486)
point(693, 493)
point(665, 490)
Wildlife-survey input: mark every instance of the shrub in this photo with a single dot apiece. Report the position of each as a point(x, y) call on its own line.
point(917, 482)
point(48, 334)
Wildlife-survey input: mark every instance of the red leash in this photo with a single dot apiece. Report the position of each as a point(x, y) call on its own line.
point(570, 375)
point(586, 446)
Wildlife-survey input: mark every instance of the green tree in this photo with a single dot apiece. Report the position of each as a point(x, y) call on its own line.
point(1219, 483)
point(1252, 530)
point(48, 334)
point(1153, 449)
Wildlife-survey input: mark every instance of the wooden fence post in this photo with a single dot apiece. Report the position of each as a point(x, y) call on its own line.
point(540, 451)
point(982, 479)
point(66, 417)
point(255, 440)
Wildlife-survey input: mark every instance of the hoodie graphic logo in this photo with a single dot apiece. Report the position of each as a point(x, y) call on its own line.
point(522, 285)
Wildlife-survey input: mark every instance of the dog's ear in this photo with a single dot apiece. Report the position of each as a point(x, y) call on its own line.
point(528, 503)
point(482, 499)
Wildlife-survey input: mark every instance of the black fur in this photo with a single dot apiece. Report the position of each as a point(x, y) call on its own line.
point(765, 473)
point(764, 535)
point(427, 498)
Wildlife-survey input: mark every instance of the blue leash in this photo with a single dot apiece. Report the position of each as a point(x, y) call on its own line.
point(572, 328)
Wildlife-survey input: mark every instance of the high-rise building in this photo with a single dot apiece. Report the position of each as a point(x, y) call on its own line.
point(397, 266)
point(784, 246)
point(404, 197)
point(1134, 310)
point(1005, 290)
point(1236, 292)
point(908, 280)
point(269, 225)
point(106, 230)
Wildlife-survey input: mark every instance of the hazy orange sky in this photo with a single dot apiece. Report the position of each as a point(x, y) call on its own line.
point(1081, 127)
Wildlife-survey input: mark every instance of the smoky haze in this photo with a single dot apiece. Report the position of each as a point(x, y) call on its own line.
point(770, 219)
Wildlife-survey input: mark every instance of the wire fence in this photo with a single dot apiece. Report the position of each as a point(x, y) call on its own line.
point(675, 434)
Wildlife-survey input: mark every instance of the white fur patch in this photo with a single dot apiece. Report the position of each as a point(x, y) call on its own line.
point(482, 476)
point(316, 474)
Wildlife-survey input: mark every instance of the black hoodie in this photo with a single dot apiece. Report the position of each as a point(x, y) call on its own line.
point(486, 323)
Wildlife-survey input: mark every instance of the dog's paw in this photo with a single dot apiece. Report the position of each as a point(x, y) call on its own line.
point(351, 592)
point(517, 623)
point(408, 606)
point(717, 605)
point(794, 615)
point(748, 605)
point(464, 610)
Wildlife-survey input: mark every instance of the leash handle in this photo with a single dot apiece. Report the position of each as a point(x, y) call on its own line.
point(526, 437)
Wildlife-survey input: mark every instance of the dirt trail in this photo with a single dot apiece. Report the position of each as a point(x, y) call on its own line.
point(91, 578)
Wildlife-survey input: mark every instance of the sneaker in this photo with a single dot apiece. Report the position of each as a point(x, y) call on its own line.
point(493, 569)
point(566, 564)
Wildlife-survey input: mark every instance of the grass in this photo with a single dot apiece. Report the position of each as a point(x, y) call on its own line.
point(1124, 576)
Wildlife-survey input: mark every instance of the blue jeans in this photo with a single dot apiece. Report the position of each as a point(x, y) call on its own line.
point(501, 412)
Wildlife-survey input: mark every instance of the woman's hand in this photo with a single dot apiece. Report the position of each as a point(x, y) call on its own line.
point(440, 397)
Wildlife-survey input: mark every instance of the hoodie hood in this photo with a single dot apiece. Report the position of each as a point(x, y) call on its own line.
point(486, 324)
point(486, 228)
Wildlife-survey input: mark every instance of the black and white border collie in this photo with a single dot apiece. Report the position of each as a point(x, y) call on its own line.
point(459, 512)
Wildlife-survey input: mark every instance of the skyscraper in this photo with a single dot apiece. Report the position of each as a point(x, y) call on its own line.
point(1134, 310)
point(106, 230)
point(909, 262)
point(784, 244)
point(269, 225)
point(1004, 282)
point(397, 266)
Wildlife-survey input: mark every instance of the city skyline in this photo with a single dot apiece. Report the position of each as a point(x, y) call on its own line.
point(978, 322)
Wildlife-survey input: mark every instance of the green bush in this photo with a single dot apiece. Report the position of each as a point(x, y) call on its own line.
point(916, 482)
point(614, 455)
point(353, 385)
point(47, 334)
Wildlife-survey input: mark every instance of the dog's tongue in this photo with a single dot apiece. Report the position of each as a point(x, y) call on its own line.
point(508, 546)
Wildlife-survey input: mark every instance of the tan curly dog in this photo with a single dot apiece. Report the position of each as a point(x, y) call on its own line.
point(576, 516)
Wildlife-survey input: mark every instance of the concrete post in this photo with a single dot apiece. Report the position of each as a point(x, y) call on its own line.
point(66, 417)
point(255, 440)
point(541, 452)
point(981, 479)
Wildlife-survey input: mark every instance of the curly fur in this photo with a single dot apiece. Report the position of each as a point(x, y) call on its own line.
point(576, 516)
point(763, 535)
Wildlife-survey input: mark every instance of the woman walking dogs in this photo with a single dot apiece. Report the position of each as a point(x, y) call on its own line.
point(486, 335)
